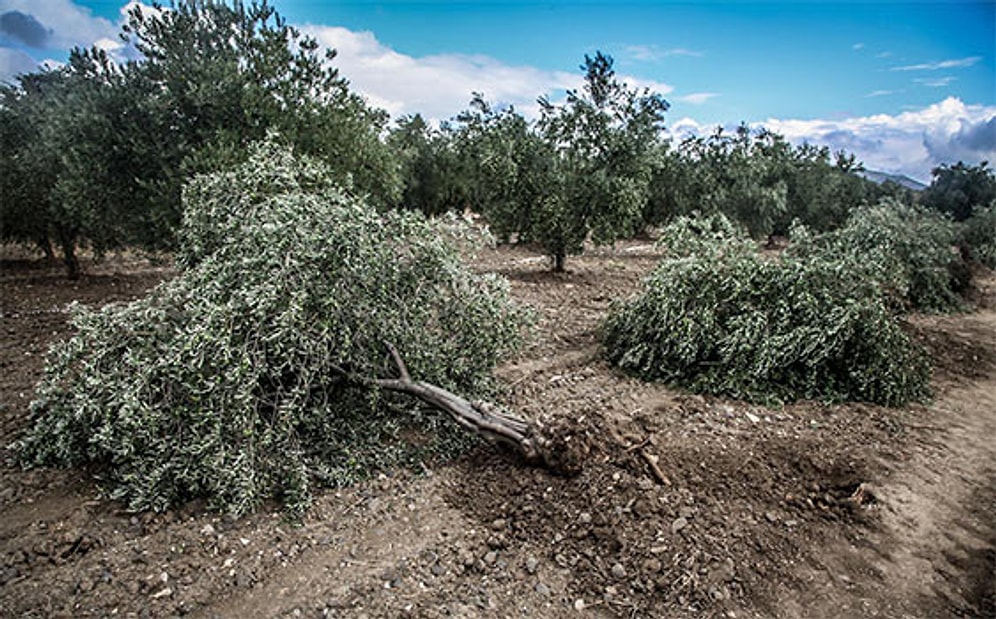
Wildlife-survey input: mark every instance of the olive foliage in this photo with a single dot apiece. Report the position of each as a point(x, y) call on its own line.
point(222, 383)
point(717, 316)
point(978, 236)
point(908, 250)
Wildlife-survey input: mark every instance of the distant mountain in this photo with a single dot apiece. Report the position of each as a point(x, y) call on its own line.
point(899, 179)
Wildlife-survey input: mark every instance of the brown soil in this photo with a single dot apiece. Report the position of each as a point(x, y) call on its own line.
point(688, 507)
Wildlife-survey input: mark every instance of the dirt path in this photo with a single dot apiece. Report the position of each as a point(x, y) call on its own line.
point(934, 553)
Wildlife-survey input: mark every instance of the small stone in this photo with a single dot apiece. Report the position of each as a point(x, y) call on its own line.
point(499, 524)
point(618, 571)
point(437, 569)
point(243, 580)
point(531, 564)
point(542, 589)
point(490, 557)
point(771, 516)
point(579, 604)
point(584, 518)
point(161, 594)
point(753, 418)
point(208, 529)
point(678, 524)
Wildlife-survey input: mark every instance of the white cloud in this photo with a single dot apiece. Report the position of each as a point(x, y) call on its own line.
point(652, 53)
point(934, 82)
point(858, 46)
point(697, 98)
point(14, 62)
point(942, 64)
point(438, 86)
point(68, 24)
point(879, 93)
point(911, 143)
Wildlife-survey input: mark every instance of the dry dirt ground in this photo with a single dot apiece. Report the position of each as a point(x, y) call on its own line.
point(688, 507)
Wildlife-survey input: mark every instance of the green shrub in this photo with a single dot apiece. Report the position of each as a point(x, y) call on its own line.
point(978, 236)
point(219, 383)
point(718, 317)
point(909, 251)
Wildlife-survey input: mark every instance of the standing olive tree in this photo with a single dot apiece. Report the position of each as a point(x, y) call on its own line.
point(960, 189)
point(603, 140)
point(225, 75)
point(581, 172)
point(81, 142)
point(435, 178)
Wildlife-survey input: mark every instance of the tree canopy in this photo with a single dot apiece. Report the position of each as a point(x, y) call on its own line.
point(960, 189)
point(111, 145)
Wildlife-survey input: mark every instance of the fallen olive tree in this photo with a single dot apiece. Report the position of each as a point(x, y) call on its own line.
point(718, 317)
point(258, 372)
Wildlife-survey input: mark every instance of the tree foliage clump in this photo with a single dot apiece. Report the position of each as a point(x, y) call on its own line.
point(718, 317)
point(960, 189)
point(978, 236)
point(96, 152)
point(580, 173)
point(757, 179)
point(226, 382)
point(908, 250)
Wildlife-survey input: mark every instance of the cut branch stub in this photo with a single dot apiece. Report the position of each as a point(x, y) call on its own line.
point(562, 452)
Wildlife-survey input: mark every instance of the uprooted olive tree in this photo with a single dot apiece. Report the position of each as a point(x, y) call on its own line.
point(718, 317)
point(282, 355)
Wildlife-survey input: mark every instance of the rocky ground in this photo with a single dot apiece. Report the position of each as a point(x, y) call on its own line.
point(688, 507)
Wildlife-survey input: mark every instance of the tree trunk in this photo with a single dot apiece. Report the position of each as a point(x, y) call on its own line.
point(67, 241)
point(558, 262)
point(45, 244)
point(562, 453)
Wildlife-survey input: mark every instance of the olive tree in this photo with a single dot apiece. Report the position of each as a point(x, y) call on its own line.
point(603, 139)
point(961, 189)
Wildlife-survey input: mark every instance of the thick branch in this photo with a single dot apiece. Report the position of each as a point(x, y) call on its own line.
point(481, 418)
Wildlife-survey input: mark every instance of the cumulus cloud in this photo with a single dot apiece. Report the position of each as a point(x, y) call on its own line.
point(23, 28)
point(942, 64)
point(440, 86)
point(911, 143)
point(63, 23)
point(437, 86)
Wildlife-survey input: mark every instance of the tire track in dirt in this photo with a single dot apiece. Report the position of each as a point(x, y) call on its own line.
point(934, 553)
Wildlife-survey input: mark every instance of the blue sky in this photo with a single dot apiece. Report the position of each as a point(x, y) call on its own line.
point(904, 85)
